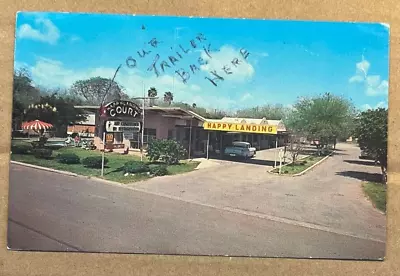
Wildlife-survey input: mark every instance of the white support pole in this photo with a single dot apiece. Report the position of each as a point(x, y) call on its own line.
point(276, 149)
point(190, 137)
point(102, 156)
point(142, 143)
point(208, 142)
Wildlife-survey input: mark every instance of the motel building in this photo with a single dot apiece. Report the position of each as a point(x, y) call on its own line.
point(191, 130)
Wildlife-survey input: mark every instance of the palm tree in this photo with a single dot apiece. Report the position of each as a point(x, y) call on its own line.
point(168, 97)
point(152, 92)
point(194, 105)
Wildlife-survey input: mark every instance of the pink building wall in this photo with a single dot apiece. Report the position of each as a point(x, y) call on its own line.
point(152, 121)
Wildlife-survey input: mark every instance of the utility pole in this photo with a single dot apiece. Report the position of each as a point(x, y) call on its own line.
point(143, 117)
point(104, 131)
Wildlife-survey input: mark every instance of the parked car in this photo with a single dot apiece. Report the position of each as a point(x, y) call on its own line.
point(366, 156)
point(240, 149)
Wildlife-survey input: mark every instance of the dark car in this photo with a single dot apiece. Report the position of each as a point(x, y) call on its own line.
point(364, 155)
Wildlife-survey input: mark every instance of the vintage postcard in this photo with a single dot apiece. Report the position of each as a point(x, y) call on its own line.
point(199, 136)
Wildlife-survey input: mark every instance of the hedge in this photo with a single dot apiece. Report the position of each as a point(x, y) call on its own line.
point(94, 162)
point(68, 158)
point(135, 167)
point(42, 153)
point(21, 149)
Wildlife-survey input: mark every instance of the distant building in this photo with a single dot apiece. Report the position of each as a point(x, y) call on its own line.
point(85, 128)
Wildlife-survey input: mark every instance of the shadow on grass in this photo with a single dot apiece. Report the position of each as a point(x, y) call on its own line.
point(120, 169)
point(361, 162)
point(364, 176)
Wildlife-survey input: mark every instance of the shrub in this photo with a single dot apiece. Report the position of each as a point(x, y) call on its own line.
point(21, 149)
point(42, 153)
point(93, 162)
point(68, 158)
point(167, 151)
point(159, 170)
point(135, 167)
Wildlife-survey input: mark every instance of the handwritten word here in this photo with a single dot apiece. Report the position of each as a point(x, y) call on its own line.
point(160, 65)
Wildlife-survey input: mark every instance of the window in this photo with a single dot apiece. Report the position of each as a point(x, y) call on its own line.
point(150, 132)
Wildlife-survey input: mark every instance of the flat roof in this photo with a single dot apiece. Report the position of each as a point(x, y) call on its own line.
point(187, 114)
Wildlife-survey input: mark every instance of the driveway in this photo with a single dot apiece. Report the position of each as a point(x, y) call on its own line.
point(329, 196)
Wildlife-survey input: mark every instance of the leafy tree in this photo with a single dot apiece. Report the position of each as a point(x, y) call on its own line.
point(56, 110)
point(24, 93)
point(270, 112)
point(152, 92)
point(93, 90)
point(24, 90)
point(372, 132)
point(194, 105)
point(17, 114)
point(295, 147)
point(168, 97)
point(325, 118)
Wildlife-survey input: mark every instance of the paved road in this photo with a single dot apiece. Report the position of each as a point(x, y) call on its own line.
point(58, 213)
point(329, 196)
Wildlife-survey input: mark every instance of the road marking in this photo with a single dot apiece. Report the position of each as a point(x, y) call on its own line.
point(97, 196)
point(44, 235)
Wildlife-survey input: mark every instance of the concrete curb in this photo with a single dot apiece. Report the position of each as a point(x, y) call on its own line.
point(44, 168)
point(314, 165)
point(270, 171)
point(306, 170)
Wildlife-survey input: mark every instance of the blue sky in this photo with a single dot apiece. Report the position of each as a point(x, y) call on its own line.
point(286, 59)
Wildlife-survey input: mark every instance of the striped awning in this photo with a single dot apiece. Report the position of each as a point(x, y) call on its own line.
point(36, 125)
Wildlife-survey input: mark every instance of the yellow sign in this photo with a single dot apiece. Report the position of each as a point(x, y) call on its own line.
point(220, 126)
point(109, 138)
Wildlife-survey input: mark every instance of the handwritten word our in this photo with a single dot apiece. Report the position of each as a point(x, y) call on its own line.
point(158, 65)
point(132, 62)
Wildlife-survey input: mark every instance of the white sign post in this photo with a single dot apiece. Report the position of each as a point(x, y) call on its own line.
point(281, 154)
point(102, 156)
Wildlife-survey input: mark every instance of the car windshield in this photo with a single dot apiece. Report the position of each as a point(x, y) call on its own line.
point(240, 145)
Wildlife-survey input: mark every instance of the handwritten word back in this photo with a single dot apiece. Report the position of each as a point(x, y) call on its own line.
point(160, 65)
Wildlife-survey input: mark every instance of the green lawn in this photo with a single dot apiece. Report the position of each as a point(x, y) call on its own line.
point(376, 192)
point(112, 170)
point(299, 165)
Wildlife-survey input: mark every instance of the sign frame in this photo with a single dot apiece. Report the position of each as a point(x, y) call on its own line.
point(121, 109)
point(243, 128)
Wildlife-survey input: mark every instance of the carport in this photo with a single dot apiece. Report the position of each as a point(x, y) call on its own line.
point(226, 130)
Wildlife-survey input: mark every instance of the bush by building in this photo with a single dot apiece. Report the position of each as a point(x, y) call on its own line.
point(166, 151)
